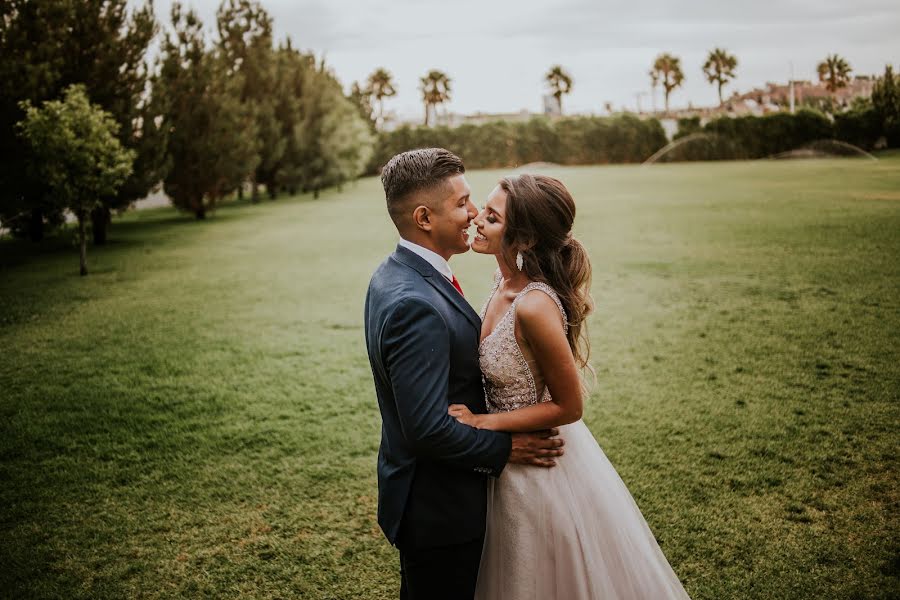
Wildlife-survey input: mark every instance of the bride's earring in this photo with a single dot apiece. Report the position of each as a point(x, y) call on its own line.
point(519, 260)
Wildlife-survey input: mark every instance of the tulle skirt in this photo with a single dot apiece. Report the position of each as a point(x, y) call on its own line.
point(570, 532)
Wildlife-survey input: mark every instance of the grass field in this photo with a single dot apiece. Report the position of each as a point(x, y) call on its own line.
point(196, 418)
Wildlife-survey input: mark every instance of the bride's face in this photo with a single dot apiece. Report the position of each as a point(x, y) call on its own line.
point(491, 224)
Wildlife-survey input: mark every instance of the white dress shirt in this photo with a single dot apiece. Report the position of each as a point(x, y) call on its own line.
point(435, 260)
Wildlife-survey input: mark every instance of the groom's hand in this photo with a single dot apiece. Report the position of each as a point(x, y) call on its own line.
point(539, 448)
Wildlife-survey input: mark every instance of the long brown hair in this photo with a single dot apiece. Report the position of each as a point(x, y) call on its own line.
point(539, 216)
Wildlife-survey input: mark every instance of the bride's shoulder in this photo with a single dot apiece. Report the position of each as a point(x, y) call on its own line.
point(540, 309)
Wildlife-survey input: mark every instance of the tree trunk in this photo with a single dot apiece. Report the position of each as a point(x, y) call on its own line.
point(316, 193)
point(36, 225)
point(241, 192)
point(200, 213)
point(273, 191)
point(100, 218)
point(721, 102)
point(82, 242)
point(426, 114)
point(254, 194)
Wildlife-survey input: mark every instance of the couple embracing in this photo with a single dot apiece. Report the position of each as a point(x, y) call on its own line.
point(489, 483)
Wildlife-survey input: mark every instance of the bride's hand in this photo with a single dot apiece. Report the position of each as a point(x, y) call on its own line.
point(462, 414)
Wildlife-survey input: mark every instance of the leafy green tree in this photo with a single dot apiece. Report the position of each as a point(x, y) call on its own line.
point(245, 44)
point(47, 45)
point(381, 86)
point(295, 76)
point(336, 143)
point(212, 134)
point(667, 71)
point(560, 82)
point(719, 69)
point(834, 72)
point(78, 154)
point(435, 88)
point(886, 103)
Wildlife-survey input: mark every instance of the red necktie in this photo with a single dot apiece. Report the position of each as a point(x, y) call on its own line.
point(455, 283)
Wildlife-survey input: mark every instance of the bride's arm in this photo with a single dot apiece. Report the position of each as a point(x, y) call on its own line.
point(541, 325)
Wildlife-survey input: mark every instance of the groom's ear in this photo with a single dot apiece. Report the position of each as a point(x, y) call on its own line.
point(422, 217)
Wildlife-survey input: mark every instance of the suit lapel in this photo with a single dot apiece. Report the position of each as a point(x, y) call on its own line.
point(438, 282)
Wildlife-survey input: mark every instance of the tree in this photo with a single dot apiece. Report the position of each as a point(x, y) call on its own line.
point(78, 154)
point(335, 141)
point(381, 86)
point(834, 72)
point(48, 45)
point(667, 70)
point(559, 82)
point(886, 103)
point(435, 88)
point(361, 97)
point(245, 45)
point(295, 78)
point(654, 83)
point(719, 69)
point(212, 133)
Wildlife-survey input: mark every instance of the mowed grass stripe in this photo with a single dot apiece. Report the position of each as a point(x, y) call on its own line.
point(196, 417)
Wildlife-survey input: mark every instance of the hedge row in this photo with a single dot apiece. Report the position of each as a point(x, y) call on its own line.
point(568, 141)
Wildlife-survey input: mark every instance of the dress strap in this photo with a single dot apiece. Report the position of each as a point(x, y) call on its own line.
point(540, 285)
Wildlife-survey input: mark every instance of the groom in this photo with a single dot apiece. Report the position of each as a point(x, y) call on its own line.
point(422, 339)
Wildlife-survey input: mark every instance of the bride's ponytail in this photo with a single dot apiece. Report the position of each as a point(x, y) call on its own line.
point(539, 216)
point(580, 303)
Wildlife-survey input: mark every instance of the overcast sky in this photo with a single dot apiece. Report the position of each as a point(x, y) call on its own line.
point(497, 51)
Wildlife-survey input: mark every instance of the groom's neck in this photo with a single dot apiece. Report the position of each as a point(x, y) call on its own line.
point(427, 243)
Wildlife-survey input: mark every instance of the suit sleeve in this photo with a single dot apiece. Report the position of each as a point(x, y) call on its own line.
point(416, 347)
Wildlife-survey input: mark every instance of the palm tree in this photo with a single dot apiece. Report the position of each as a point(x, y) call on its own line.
point(667, 70)
point(381, 86)
point(834, 72)
point(719, 69)
point(654, 82)
point(560, 82)
point(435, 88)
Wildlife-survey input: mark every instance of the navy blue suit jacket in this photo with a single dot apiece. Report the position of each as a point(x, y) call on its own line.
point(422, 339)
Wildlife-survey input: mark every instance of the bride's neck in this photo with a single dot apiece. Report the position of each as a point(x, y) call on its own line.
point(512, 276)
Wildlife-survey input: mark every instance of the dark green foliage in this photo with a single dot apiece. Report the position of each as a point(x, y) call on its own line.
point(750, 137)
point(212, 134)
point(569, 141)
point(886, 103)
point(47, 45)
point(245, 44)
point(861, 125)
point(687, 126)
point(76, 153)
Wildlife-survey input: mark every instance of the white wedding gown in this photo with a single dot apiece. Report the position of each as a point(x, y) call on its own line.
point(569, 532)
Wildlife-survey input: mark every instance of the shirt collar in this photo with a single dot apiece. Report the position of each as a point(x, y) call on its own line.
point(435, 260)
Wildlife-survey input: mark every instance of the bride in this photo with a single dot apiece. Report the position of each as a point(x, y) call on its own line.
point(574, 531)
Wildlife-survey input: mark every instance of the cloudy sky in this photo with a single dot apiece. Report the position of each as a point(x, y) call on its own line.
point(497, 51)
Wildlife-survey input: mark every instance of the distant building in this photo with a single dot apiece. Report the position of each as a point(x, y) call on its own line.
point(551, 106)
point(776, 96)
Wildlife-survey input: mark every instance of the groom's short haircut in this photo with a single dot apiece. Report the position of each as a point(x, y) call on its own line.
point(421, 170)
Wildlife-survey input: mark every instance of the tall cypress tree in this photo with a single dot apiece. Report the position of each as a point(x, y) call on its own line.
point(212, 134)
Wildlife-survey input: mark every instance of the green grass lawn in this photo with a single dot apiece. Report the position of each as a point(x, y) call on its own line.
point(196, 418)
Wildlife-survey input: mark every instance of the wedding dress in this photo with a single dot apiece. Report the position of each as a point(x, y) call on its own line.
point(569, 532)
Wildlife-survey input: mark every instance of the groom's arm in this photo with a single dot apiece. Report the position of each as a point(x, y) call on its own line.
point(416, 349)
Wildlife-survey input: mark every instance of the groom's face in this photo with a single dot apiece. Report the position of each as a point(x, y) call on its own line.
point(451, 217)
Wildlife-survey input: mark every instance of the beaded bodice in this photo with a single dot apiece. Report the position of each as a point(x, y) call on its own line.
point(510, 382)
